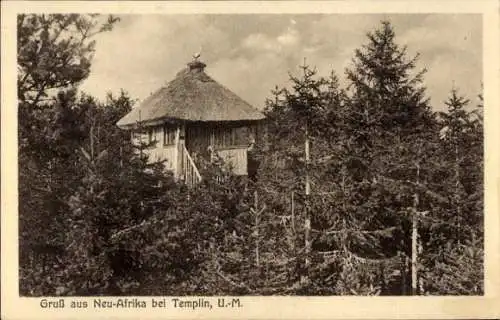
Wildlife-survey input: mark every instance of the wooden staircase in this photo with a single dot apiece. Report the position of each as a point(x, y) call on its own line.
point(189, 172)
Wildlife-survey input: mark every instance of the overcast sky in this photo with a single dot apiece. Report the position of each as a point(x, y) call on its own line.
point(251, 54)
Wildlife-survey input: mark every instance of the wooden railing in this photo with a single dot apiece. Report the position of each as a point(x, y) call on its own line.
point(189, 173)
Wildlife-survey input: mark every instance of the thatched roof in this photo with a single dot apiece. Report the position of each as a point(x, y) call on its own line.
point(194, 96)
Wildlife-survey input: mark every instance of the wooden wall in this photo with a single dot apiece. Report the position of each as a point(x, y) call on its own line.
point(220, 135)
point(236, 158)
point(163, 153)
point(159, 151)
point(229, 139)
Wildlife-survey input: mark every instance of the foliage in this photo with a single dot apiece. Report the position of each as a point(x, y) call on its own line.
point(54, 54)
point(455, 241)
point(97, 217)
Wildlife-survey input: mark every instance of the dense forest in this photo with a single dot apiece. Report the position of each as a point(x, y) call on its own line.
point(386, 200)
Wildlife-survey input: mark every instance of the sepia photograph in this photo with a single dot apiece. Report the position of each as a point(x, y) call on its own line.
point(323, 162)
point(248, 154)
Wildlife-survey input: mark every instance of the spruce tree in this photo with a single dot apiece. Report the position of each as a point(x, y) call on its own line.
point(454, 262)
point(392, 136)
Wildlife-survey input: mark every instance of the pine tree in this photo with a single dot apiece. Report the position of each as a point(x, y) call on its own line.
point(53, 54)
point(455, 263)
point(392, 134)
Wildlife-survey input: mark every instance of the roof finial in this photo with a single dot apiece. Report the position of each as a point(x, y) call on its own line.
point(196, 56)
point(196, 64)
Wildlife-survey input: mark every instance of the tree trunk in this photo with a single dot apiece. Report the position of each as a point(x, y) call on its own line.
point(414, 257)
point(307, 221)
point(414, 239)
point(257, 222)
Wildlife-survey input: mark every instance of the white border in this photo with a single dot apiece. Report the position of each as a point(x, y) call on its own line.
point(14, 307)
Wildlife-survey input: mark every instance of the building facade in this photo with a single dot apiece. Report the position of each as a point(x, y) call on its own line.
point(195, 117)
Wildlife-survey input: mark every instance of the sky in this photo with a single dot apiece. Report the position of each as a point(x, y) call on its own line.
point(253, 53)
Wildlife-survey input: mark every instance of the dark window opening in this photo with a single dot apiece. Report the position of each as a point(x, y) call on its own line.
point(150, 136)
point(168, 135)
point(231, 137)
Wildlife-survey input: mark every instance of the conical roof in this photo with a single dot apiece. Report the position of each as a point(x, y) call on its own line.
point(194, 96)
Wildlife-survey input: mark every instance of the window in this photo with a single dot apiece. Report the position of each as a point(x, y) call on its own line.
point(168, 135)
point(223, 137)
point(135, 137)
point(230, 136)
point(259, 132)
point(150, 136)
